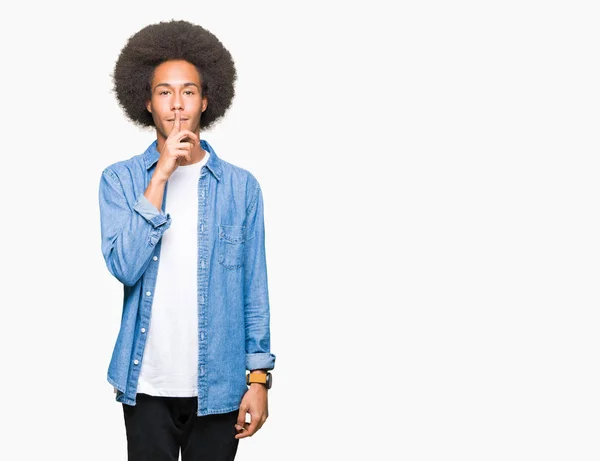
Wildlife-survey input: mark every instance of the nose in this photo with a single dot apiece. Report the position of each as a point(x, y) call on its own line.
point(177, 102)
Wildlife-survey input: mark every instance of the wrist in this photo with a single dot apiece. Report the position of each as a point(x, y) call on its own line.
point(158, 179)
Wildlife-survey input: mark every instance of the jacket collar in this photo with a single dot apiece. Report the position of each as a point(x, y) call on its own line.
point(214, 162)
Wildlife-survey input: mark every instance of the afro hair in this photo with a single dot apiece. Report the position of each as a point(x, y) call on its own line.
point(157, 43)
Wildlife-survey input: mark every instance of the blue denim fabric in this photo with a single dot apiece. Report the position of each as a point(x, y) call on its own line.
point(233, 300)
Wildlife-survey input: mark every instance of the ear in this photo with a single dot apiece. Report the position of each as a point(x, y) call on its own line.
point(204, 103)
point(149, 106)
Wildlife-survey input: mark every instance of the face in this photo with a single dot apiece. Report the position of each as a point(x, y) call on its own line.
point(176, 87)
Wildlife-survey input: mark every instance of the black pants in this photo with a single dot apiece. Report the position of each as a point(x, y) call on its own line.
point(157, 427)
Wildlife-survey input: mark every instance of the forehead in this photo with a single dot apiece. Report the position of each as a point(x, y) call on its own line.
point(175, 72)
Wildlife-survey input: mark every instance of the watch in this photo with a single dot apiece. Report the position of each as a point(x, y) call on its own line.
point(263, 378)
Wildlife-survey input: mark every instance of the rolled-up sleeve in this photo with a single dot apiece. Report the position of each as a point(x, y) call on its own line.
point(149, 212)
point(256, 293)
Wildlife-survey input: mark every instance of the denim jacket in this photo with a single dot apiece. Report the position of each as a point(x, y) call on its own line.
point(233, 300)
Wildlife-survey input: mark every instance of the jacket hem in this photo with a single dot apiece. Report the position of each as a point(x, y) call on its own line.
point(217, 411)
point(120, 397)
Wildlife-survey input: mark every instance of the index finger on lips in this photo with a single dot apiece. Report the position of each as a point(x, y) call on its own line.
point(176, 124)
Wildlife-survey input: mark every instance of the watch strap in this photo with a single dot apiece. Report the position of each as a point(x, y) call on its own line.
point(256, 378)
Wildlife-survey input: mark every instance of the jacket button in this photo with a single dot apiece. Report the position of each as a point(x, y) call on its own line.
point(136, 361)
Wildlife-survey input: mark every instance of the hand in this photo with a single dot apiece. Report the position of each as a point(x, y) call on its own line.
point(175, 149)
point(255, 403)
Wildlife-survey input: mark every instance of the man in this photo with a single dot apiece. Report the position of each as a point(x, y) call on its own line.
point(183, 230)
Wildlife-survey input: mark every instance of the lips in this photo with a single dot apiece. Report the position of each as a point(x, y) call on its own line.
point(181, 120)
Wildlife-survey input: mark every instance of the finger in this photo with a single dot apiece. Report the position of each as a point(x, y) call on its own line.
point(243, 432)
point(260, 420)
point(251, 427)
point(176, 124)
point(188, 142)
point(186, 134)
point(183, 155)
point(261, 423)
point(188, 152)
point(184, 146)
point(241, 425)
point(241, 419)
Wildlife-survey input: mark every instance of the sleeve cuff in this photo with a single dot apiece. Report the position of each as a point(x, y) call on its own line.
point(150, 212)
point(260, 361)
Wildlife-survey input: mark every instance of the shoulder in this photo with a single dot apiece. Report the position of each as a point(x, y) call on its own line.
point(239, 176)
point(125, 168)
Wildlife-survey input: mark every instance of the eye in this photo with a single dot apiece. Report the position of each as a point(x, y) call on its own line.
point(163, 92)
point(189, 92)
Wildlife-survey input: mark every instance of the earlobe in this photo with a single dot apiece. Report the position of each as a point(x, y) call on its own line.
point(149, 107)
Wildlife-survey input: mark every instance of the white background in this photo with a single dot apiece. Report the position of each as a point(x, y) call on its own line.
point(430, 178)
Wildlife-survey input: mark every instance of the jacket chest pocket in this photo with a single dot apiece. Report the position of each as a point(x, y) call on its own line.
point(231, 246)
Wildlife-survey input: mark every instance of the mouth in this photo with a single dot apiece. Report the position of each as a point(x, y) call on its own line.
point(181, 120)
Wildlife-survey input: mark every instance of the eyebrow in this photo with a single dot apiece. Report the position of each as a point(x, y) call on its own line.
point(171, 86)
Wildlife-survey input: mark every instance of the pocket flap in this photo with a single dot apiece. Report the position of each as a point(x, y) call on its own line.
point(232, 234)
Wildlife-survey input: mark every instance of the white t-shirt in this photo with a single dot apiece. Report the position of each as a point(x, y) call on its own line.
point(170, 360)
